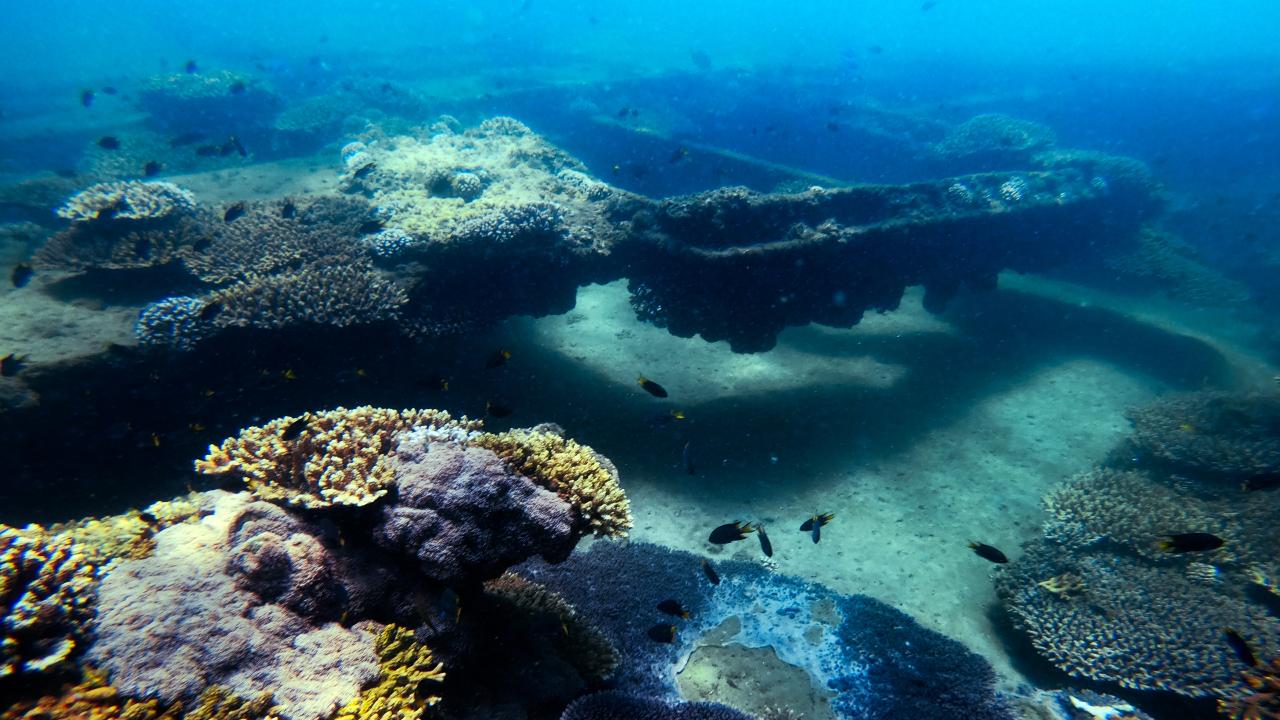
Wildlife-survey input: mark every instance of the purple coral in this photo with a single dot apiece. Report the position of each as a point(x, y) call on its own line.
point(464, 516)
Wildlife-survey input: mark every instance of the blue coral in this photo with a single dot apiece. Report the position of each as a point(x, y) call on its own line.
point(173, 322)
point(879, 662)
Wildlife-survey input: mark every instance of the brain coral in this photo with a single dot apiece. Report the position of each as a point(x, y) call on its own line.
point(336, 457)
point(582, 477)
point(46, 596)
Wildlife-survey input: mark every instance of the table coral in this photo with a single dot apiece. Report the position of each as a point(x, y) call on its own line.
point(46, 597)
point(1234, 437)
point(337, 294)
point(127, 200)
point(337, 457)
point(405, 667)
point(578, 474)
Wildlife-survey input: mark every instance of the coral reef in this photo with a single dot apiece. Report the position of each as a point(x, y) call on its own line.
point(338, 457)
point(174, 623)
point(405, 666)
point(994, 141)
point(1232, 437)
point(1164, 261)
point(877, 660)
point(46, 595)
point(619, 706)
point(338, 295)
point(129, 200)
point(582, 477)
point(174, 322)
point(465, 517)
point(196, 101)
point(1261, 701)
point(580, 642)
point(91, 699)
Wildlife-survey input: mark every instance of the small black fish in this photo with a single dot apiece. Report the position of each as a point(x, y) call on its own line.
point(148, 518)
point(679, 154)
point(288, 210)
point(662, 633)
point(833, 126)
point(202, 244)
point(625, 111)
point(987, 552)
point(687, 457)
point(1261, 482)
point(1240, 647)
point(765, 546)
point(814, 525)
point(364, 170)
point(234, 143)
point(294, 429)
point(86, 97)
point(190, 67)
point(22, 273)
point(210, 311)
point(186, 139)
point(237, 88)
point(151, 169)
point(109, 90)
point(497, 359)
point(651, 387)
point(369, 227)
point(11, 365)
point(730, 532)
point(496, 410)
point(710, 572)
point(671, 607)
point(235, 211)
point(108, 142)
point(1189, 542)
point(208, 151)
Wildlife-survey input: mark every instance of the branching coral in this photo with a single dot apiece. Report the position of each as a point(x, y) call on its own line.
point(175, 322)
point(91, 699)
point(338, 295)
point(128, 200)
point(337, 457)
point(1262, 699)
point(46, 596)
point(1230, 436)
point(1172, 265)
point(406, 668)
point(578, 474)
point(580, 642)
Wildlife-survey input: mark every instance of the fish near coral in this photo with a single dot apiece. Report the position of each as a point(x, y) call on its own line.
point(730, 532)
point(673, 608)
point(11, 365)
point(766, 547)
point(710, 571)
point(651, 387)
point(497, 359)
point(233, 212)
point(1240, 647)
point(21, 275)
point(813, 525)
point(662, 633)
point(1189, 542)
point(108, 142)
point(987, 552)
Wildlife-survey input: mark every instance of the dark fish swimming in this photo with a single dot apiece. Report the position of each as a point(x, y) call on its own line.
point(766, 547)
point(86, 97)
point(11, 365)
point(369, 227)
point(679, 154)
point(109, 90)
point(190, 67)
point(233, 142)
point(687, 458)
point(813, 525)
point(1260, 482)
point(672, 607)
point(730, 532)
point(987, 552)
point(497, 410)
point(662, 633)
point(497, 359)
point(1189, 542)
point(1240, 647)
point(364, 170)
point(210, 311)
point(108, 142)
point(151, 169)
point(237, 88)
point(294, 429)
point(21, 275)
point(651, 387)
point(236, 210)
point(289, 209)
point(709, 570)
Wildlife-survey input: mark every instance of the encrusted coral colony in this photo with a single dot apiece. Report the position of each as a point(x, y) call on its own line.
point(1102, 598)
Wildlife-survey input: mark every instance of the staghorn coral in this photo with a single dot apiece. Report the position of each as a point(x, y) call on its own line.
point(339, 457)
point(173, 624)
point(1233, 437)
point(1143, 626)
point(465, 516)
point(590, 652)
point(46, 596)
point(337, 295)
point(582, 477)
point(405, 666)
point(1262, 699)
point(265, 242)
point(127, 200)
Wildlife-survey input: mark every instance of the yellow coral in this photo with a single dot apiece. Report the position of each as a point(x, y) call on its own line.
point(579, 475)
point(337, 457)
point(218, 703)
point(92, 699)
point(45, 588)
point(1064, 586)
point(404, 665)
